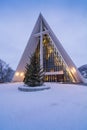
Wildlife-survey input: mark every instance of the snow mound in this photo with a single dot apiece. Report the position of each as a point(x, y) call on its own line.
point(32, 89)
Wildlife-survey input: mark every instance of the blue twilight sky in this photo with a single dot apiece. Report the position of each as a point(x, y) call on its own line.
point(67, 18)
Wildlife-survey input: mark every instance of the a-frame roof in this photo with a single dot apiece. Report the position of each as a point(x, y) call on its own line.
point(32, 44)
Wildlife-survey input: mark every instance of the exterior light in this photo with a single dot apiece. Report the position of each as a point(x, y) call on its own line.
point(22, 74)
point(17, 73)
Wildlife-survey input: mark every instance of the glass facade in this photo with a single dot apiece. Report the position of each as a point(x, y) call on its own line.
point(51, 60)
point(55, 68)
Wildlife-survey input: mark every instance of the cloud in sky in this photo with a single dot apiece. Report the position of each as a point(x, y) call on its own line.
point(67, 18)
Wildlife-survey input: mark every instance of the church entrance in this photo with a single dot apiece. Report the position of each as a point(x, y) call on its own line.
point(54, 78)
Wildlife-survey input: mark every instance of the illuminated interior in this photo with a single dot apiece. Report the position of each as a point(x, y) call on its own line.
point(53, 62)
point(57, 64)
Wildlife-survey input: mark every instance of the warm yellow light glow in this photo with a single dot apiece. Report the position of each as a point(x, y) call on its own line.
point(21, 74)
point(73, 70)
point(44, 41)
point(17, 73)
point(46, 78)
point(67, 70)
point(50, 50)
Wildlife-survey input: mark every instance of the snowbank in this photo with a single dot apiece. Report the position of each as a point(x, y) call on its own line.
point(63, 107)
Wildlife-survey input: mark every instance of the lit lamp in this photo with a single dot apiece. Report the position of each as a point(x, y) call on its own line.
point(17, 73)
point(22, 74)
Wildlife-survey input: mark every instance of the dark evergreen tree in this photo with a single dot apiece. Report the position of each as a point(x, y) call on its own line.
point(6, 73)
point(34, 74)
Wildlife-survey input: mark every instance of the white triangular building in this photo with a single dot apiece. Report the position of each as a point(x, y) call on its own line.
point(55, 61)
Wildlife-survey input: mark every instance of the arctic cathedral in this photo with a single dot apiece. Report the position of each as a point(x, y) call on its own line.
point(55, 61)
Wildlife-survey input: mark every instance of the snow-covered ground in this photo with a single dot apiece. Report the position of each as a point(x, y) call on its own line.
point(63, 107)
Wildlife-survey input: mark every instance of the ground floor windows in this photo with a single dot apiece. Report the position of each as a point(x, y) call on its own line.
point(54, 78)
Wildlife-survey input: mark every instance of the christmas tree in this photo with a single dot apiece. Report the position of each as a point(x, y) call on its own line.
point(34, 74)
